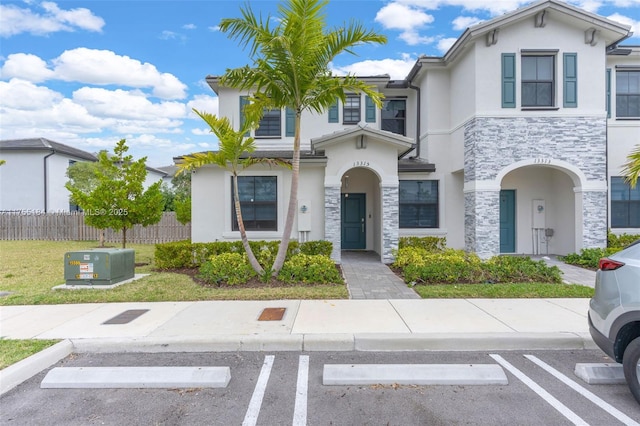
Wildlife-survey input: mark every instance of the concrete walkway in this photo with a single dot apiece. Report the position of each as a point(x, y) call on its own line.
point(368, 278)
point(571, 274)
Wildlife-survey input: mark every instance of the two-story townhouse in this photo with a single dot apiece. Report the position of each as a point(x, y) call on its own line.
point(503, 145)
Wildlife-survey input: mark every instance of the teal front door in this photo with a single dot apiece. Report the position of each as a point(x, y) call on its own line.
point(353, 222)
point(508, 221)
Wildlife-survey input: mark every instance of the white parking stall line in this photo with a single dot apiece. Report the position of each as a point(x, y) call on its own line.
point(550, 399)
point(253, 411)
point(300, 410)
point(584, 392)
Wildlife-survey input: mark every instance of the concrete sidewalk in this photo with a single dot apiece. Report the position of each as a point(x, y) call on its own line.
point(436, 324)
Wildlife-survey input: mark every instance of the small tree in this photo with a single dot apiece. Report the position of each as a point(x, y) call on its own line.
point(182, 189)
point(119, 200)
point(234, 154)
point(631, 169)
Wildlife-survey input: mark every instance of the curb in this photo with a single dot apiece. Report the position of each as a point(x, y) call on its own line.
point(21, 371)
point(15, 374)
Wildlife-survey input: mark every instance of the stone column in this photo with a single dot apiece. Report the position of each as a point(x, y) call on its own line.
point(332, 220)
point(482, 222)
point(390, 221)
point(594, 218)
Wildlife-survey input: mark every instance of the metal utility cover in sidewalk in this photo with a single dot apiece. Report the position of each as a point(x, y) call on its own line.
point(272, 314)
point(413, 374)
point(126, 317)
point(136, 377)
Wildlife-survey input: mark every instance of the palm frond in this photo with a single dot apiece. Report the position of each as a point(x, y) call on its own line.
point(631, 169)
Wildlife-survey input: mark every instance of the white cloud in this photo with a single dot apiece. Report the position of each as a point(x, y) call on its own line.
point(407, 19)
point(24, 95)
point(189, 27)
point(131, 105)
point(27, 67)
point(203, 103)
point(102, 67)
point(17, 20)
point(444, 44)
point(396, 68)
point(635, 24)
point(461, 23)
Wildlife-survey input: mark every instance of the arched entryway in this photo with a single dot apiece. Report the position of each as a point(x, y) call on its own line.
point(360, 210)
point(537, 211)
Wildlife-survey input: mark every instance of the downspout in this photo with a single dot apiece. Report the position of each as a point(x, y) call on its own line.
point(411, 76)
point(53, 151)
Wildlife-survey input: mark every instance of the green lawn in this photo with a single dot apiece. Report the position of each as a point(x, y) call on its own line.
point(29, 270)
point(12, 351)
point(503, 291)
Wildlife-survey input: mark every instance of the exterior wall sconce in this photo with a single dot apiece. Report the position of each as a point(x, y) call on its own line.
point(304, 209)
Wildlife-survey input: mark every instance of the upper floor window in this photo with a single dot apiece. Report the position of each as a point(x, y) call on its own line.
point(270, 124)
point(538, 82)
point(625, 204)
point(418, 204)
point(351, 110)
point(258, 203)
point(394, 116)
point(628, 93)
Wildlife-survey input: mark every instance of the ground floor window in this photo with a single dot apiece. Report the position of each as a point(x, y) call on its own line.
point(258, 203)
point(625, 204)
point(418, 204)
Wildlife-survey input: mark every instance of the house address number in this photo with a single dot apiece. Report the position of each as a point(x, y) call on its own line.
point(542, 161)
point(360, 163)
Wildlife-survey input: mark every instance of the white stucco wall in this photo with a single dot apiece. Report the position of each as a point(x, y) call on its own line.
point(212, 201)
point(555, 35)
point(22, 182)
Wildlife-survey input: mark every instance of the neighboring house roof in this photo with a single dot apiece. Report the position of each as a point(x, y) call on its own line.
point(168, 170)
point(42, 144)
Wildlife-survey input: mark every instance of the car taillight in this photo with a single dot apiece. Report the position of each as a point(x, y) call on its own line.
point(609, 265)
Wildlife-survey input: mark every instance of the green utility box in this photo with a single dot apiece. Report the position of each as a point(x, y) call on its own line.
point(99, 266)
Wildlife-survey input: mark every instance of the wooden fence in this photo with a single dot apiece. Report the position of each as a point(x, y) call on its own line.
point(70, 226)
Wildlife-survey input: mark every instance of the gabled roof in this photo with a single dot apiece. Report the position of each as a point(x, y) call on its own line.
point(610, 31)
point(402, 143)
point(42, 144)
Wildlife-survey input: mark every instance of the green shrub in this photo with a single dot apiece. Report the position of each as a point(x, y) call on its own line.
point(316, 269)
point(589, 258)
point(184, 254)
point(227, 268)
point(173, 255)
point(450, 266)
point(430, 244)
point(318, 247)
point(621, 241)
point(504, 269)
point(409, 256)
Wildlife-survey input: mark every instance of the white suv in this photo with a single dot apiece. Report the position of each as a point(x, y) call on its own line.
point(614, 311)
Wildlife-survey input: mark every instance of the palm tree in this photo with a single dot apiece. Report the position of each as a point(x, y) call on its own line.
point(631, 169)
point(290, 69)
point(234, 154)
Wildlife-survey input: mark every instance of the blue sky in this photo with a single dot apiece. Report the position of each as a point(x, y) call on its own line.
point(89, 73)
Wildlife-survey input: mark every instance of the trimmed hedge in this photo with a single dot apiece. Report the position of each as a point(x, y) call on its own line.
point(456, 266)
point(310, 269)
point(430, 244)
point(185, 254)
point(227, 268)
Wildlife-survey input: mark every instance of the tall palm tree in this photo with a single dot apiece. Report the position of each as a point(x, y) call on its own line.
point(234, 154)
point(631, 169)
point(290, 68)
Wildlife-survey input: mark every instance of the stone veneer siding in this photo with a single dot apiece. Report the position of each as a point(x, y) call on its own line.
point(493, 143)
point(332, 220)
point(390, 222)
